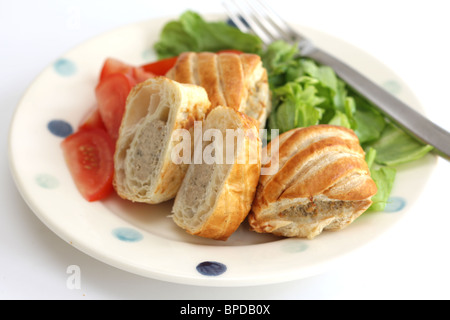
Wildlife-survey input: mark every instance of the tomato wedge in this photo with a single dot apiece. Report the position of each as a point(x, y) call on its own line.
point(112, 66)
point(161, 67)
point(89, 155)
point(92, 121)
point(140, 75)
point(111, 94)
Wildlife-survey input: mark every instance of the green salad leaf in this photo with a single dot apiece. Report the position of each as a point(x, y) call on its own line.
point(296, 107)
point(192, 33)
point(327, 99)
point(370, 123)
point(279, 60)
point(383, 177)
point(395, 147)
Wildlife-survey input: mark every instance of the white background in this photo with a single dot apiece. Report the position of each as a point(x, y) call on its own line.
point(411, 261)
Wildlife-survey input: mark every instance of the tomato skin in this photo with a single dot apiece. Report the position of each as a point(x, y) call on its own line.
point(112, 93)
point(140, 75)
point(92, 121)
point(161, 67)
point(89, 155)
point(112, 66)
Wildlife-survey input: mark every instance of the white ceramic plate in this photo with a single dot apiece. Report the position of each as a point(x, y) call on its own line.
point(141, 238)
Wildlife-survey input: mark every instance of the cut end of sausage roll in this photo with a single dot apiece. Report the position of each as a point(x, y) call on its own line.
point(232, 80)
point(144, 170)
point(322, 183)
point(215, 197)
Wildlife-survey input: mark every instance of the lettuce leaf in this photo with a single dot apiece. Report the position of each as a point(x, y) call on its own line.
point(192, 33)
point(321, 97)
point(296, 107)
point(395, 147)
point(279, 61)
point(383, 177)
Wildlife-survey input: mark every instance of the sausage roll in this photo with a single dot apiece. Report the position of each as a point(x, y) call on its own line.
point(144, 170)
point(322, 183)
point(216, 196)
point(232, 80)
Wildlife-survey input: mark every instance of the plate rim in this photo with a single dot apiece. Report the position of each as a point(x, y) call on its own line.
point(202, 281)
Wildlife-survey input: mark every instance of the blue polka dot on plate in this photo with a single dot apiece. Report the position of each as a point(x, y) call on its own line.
point(60, 128)
point(211, 268)
point(127, 234)
point(65, 67)
point(47, 181)
point(395, 204)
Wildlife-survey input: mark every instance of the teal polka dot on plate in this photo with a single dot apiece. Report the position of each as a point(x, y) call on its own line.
point(148, 55)
point(65, 67)
point(127, 234)
point(395, 204)
point(294, 246)
point(47, 181)
point(392, 86)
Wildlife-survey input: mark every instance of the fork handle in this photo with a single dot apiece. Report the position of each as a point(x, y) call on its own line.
point(404, 116)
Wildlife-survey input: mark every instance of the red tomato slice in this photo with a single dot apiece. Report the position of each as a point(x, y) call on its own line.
point(112, 93)
point(140, 75)
point(89, 155)
point(93, 120)
point(112, 66)
point(161, 67)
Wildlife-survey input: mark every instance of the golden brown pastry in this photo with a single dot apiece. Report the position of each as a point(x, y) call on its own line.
point(215, 198)
point(232, 80)
point(144, 170)
point(322, 183)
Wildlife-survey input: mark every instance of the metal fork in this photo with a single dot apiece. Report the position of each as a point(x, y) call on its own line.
point(256, 16)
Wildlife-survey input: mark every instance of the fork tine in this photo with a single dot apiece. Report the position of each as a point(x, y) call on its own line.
point(254, 25)
point(271, 29)
point(237, 20)
point(279, 22)
point(257, 17)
